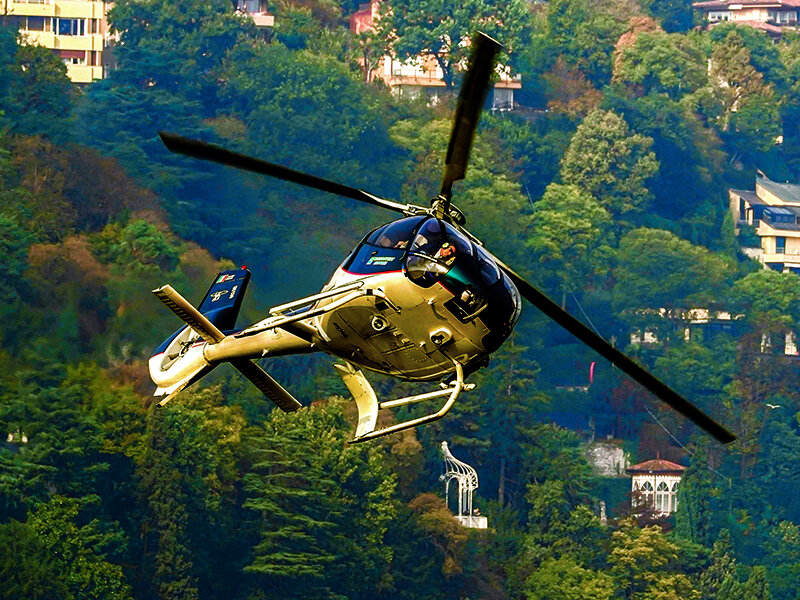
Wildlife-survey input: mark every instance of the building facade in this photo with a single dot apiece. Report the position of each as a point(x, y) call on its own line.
point(76, 30)
point(773, 210)
point(654, 486)
point(258, 11)
point(423, 75)
point(771, 16)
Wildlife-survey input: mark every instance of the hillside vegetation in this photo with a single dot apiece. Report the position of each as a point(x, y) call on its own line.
point(607, 187)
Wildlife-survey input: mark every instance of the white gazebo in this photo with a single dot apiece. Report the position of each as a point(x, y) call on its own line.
point(467, 480)
point(654, 485)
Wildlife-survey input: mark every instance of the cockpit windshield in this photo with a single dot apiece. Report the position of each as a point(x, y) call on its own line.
point(396, 234)
point(383, 250)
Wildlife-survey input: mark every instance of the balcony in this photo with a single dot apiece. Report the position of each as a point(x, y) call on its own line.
point(31, 9)
point(48, 39)
point(791, 258)
point(84, 73)
point(92, 41)
point(75, 9)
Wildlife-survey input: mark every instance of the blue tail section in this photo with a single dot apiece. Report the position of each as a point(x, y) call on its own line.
point(224, 298)
point(221, 303)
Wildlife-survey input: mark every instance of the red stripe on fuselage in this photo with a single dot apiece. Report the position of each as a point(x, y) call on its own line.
point(370, 274)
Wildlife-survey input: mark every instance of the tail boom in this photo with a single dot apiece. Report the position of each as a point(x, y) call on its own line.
point(195, 350)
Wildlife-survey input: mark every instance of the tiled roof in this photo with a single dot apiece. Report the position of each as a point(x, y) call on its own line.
point(658, 465)
point(771, 29)
point(782, 226)
point(788, 192)
point(750, 196)
point(747, 3)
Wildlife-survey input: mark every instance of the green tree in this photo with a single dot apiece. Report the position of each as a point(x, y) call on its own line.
point(188, 479)
point(693, 519)
point(767, 291)
point(569, 236)
point(163, 48)
point(686, 276)
point(721, 573)
point(661, 63)
point(788, 48)
point(645, 564)
point(750, 112)
point(687, 150)
point(322, 516)
point(585, 34)
point(35, 92)
point(756, 123)
point(611, 163)
point(441, 29)
point(564, 578)
point(675, 15)
point(783, 560)
point(756, 587)
point(79, 549)
point(27, 568)
point(14, 243)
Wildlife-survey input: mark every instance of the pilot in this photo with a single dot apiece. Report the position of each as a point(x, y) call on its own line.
point(446, 254)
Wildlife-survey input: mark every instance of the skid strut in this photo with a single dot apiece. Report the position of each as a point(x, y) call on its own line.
point(368, 405)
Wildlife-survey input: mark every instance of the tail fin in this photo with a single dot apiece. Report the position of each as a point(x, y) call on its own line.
point(224, 298)
point(178, 362)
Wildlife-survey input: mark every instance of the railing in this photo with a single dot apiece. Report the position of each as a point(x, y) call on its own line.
point(475, 522)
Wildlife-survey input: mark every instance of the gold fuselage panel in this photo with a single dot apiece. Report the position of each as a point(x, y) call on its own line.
point(413, 336)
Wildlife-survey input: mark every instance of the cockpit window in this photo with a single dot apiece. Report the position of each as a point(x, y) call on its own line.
point(436, 247)
point(490, 272)
point(383, 250)
point(394, 235)
point(435, 236)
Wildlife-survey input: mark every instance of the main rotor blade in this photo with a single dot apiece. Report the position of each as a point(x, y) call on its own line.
point(218, 154)
point(468, 112)
point(636, 372)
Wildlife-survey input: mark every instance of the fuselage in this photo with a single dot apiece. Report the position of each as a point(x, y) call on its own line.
point(443, 299)
point(413, 297)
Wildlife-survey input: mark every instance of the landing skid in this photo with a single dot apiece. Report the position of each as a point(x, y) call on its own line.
point(368, 405)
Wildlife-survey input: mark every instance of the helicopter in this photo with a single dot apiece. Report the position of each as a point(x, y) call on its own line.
point(419, 299)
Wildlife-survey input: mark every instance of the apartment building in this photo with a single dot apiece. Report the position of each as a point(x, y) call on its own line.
point(76, 30)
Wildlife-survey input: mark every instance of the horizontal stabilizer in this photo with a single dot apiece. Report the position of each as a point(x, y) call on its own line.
point(268, 386)
point(176, 389)
point(189, 314)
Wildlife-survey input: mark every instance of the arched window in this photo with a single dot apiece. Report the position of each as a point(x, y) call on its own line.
point(662, 497)
point(647, 493)
point(674, 497)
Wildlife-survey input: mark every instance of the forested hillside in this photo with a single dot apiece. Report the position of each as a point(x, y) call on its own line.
point(607, 187)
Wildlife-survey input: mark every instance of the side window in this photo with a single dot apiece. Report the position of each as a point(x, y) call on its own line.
point(490, 272)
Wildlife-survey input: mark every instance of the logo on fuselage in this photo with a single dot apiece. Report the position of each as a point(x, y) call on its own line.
point(380, 261)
